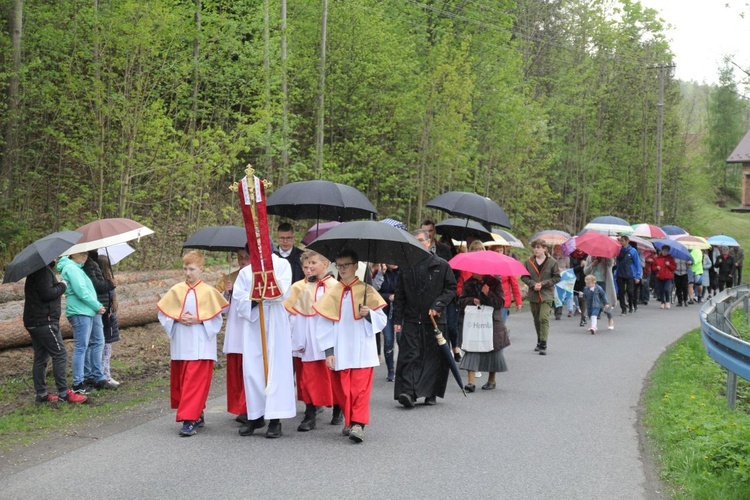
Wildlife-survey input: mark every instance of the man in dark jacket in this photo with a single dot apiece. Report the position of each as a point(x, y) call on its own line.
point(287, 250)
point(629, 274)
point(423, 290)
point(41, 317)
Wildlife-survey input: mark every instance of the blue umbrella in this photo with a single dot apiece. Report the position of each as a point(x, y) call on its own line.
point(673, 230)
point(676, 249)
point(723, 240)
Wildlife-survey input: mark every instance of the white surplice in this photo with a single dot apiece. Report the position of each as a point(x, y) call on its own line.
point(277, 398)
point(233, 330)
point(191, 342)
point(353, 340)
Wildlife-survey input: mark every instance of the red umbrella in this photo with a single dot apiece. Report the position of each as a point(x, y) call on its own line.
point(488, 262)
point(597, 245)
point(648, 231)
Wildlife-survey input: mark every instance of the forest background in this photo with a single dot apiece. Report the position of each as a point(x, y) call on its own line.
point(150, 109)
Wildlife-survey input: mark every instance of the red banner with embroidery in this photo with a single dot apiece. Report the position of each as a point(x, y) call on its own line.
point(258, 239)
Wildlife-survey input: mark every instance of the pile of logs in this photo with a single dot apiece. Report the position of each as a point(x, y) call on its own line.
point(137, 295)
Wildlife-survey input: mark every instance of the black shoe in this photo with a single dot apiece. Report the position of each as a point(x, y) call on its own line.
point(583, 322)
point(251, 426)
point(431, 401)
point(543, 349)
point(242, 418)
point(470, 388)
point(338, 416)
point(391, 377)
point(406, 401)
point(536, 349)
point(679, 304)
point(274, 429)
point(488, 386)
point(105, 384)
point(307, 424)
point(82, 389)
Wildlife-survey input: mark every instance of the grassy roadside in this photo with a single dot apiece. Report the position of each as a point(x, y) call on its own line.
point(703, 448)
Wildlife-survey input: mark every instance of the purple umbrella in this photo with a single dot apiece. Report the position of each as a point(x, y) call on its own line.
point(318, 230)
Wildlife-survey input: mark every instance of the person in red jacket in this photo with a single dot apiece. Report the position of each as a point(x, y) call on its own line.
point(663, 268)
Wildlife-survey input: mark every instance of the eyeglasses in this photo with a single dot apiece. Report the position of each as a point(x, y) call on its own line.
point(344, 265)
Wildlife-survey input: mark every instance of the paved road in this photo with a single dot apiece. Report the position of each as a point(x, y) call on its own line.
point(564, 426)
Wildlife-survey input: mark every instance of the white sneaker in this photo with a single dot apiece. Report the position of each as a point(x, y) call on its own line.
point(478, 374)
point(611, 327)
point(113, 381)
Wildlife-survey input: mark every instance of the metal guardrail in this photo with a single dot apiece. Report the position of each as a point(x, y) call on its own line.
point(721, 338)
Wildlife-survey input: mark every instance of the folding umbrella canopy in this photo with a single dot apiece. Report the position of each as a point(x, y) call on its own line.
point(107, 232)
point(395, 223)
point(609, 225)
point(472, 206)
point(648, 231)
point(317, 230)
point(692, 242)
point(551, 237)
point(673, 230)
point(116, 253)
point(723, 240)
point(640, 243)
point(319, 200)
point(39, 254)
point(514, 242)
point(676, 249)
point(596, 245)
point(461, 229)
point(488, 262)
point(218, 239)
point(373, 241)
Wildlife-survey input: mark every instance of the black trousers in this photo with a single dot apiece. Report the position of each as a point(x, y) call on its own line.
point(681, 288)
point(48, 343)
point(626, 287)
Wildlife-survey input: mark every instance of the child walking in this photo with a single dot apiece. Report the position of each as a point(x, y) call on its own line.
point(348, 337)
point(596, 301)
point(313, 376)
point(190, 313)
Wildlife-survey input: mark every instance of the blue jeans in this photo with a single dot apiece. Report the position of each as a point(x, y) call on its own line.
point(505, 311)
point(88, 336)
point(663, 290)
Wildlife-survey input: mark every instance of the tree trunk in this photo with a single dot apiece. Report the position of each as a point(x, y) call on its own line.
point(285, 102)
point(321, 94)
point(10, 150)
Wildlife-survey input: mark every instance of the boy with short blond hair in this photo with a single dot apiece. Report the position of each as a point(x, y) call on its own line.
point(190, 313)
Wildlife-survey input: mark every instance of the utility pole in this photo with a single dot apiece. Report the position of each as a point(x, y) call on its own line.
point(659, 135)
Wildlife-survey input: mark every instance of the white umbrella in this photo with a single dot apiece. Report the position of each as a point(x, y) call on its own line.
point(115, 253)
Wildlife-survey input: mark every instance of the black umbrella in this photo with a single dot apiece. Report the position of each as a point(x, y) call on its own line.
point(446, 350)
point(473, 206)
point(320, 200)
point(218, 239)
point(373, 241)
point(460, 229)
point(39, 254)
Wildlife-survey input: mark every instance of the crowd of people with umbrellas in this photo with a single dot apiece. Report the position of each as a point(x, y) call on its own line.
point(444, 303)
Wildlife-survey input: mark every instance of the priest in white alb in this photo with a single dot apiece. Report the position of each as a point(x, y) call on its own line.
point(272, 398)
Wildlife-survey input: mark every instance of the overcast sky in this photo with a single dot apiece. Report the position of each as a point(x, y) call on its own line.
point(703, 31)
